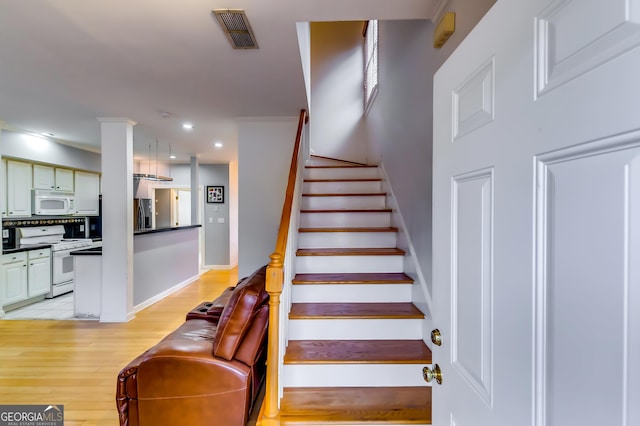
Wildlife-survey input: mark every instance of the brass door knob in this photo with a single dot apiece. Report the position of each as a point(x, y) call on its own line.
point(435, 374)
point(436, 337)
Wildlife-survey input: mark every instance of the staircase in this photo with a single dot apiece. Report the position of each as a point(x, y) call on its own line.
point(355, 352)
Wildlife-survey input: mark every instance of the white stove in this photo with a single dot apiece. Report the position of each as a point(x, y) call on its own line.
point(62, 267)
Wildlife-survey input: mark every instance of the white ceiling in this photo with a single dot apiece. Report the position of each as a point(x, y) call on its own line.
point(63, 63)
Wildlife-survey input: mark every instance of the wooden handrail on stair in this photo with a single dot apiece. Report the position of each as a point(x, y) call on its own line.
point(274, 284)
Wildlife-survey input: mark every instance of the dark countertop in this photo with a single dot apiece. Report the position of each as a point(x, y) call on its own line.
point(155, 231)
point(21, 249)
point(91, 251)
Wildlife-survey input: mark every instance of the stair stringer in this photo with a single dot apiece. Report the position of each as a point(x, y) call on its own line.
point(420, 294)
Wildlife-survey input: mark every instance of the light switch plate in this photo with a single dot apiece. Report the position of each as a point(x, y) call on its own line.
point(221, 220)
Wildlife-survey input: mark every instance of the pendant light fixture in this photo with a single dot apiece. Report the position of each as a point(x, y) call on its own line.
point(149, 175)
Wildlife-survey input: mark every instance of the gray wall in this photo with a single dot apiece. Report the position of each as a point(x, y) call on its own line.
point(336, 126)
point(42, 150)
point(264, 157)
point(399, 123)
point(216, 235)
point(400, 126)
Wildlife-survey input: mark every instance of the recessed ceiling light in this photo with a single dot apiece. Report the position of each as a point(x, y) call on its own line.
point(187, 126)
point(218, 144)
point(173, 157)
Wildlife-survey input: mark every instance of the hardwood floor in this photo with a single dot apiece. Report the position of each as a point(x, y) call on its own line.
point(75, 363)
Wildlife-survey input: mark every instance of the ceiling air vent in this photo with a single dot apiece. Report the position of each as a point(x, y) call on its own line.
point(236, 26)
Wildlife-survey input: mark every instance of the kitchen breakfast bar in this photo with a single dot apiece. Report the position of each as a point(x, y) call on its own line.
point(164, 260)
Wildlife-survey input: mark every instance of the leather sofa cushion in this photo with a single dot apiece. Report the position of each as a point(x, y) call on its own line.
point(238, 313)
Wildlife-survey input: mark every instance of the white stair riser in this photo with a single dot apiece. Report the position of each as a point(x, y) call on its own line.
point(342, 173)
point(342, 375)
point(355, 329)
point(346, 264)
point(343, 202)
point(342, 187)
point(345, 220)
point(347, 239)
point(351, 293)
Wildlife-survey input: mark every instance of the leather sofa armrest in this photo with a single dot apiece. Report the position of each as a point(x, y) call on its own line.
point(185, 371)
point(211, 311)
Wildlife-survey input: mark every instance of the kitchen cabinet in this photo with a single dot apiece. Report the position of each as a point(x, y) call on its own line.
point(3, 188)
point(18, 189)
point(87, 193)
point(64, 179)
point(43, 177)
point(47, 177)
point(39, 272)
point(14, 274)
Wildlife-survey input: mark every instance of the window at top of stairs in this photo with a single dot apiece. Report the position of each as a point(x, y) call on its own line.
point(370, 63)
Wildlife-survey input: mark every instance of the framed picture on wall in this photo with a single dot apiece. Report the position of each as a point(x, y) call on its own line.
point(215, 194)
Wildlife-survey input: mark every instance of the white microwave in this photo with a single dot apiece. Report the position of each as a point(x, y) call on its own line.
point(52, 203)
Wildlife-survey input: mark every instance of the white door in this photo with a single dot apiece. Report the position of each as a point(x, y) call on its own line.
point(536, 218)
point(183, 207)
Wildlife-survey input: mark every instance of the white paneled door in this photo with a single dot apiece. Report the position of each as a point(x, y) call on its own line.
point(537, 217)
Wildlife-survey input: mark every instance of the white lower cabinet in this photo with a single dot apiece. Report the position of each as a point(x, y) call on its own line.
point(39, 276)
point(25, 275)
point(14, 274)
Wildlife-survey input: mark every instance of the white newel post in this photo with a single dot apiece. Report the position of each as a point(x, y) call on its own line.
point(4, 182)
point(117, 219)
point(195, 184)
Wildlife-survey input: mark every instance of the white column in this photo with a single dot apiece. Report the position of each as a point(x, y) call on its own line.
point(117, 219)
point(2, 194)
point(195, 196)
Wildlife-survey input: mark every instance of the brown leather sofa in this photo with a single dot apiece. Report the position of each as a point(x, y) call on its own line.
point(206, 372)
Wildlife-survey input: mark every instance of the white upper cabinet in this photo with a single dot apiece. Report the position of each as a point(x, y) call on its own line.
point(47, 177)
point(64, 179)
point(87, 193)
point(18, 189)
point(43, 177)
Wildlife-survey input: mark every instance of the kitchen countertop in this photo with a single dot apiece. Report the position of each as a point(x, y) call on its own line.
point(174, 228)
point(91, 251)
point(21, 249)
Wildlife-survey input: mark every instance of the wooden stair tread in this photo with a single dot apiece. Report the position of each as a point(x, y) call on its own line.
point(346, 211)
point(353, 278)
point(345, 180)
point(357, 352)
point(386, 405)
point(322, 157)
point(354, 311)
point(346, 194)
point(350, 252)
point(339, 166)
point(372, 229)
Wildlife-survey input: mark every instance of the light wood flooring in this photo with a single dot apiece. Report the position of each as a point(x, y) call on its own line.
point(75, 363)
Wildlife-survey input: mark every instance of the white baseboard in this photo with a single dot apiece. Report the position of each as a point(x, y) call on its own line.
point(164, 294)
point(219, 267)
